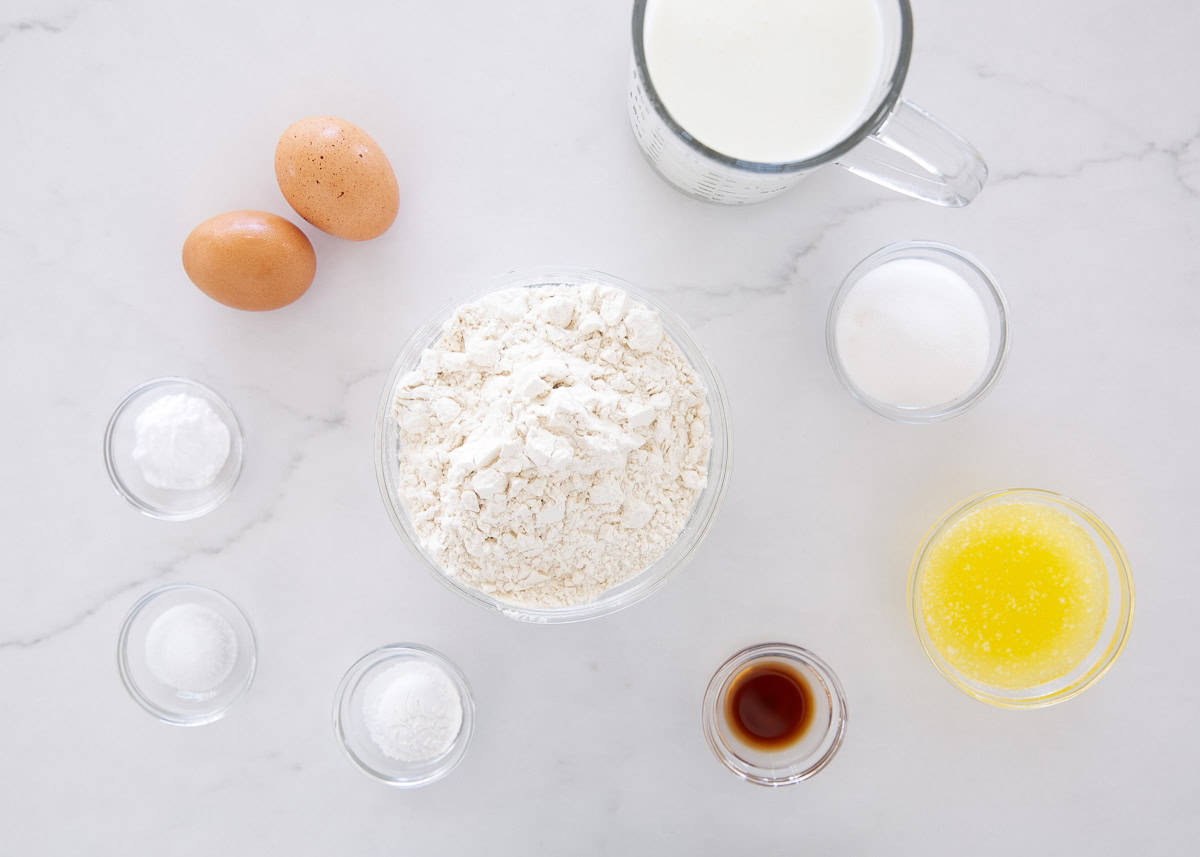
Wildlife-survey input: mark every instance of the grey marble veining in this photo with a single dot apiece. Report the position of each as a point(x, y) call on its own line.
point(129, 121)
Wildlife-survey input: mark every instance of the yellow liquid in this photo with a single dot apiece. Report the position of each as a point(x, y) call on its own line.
point(1014, 594)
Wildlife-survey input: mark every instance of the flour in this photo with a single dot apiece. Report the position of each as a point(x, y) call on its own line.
point(553, 443)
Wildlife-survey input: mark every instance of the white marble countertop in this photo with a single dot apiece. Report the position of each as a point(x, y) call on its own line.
point(126, 123)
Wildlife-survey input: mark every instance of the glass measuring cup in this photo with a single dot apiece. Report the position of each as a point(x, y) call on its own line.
point(895, 143)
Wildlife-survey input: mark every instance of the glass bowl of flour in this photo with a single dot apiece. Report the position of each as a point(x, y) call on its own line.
point(554, 448)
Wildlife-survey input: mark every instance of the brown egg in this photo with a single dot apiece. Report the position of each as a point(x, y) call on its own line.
point(250, 260)
point(337, 178)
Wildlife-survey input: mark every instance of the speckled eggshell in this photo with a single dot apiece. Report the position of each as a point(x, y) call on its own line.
point(250, 260)
point(337, 178)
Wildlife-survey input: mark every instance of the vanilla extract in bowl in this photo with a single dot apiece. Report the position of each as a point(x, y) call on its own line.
point(774, 714)
point(769, 706)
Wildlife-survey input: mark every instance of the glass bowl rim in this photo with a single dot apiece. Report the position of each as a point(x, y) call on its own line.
point(237, 441)
point(946, 410)
point(131, 686)
point(719, 470)
point(354, 673)
point(1124, 606)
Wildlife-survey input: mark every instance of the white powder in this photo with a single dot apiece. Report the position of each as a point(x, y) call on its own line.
point(553, 443)
point(413, 711)
point(913, 333)
point(181, 443)
point(191, 648)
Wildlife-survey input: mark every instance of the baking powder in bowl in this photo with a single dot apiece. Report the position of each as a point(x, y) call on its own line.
point(181, 444)
point(413, 711)
point(554, 441)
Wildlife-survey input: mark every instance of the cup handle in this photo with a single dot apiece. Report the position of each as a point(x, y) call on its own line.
point(915, 154)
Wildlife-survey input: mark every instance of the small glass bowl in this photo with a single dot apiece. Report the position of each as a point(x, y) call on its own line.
point(1117, 621)
point(720, 460)
point(355, 739)
point(183, 708)
point(971, 270)
point(126, 475)
point(811, 753)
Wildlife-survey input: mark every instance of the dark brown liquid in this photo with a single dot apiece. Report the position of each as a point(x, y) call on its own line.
point(769, 706)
